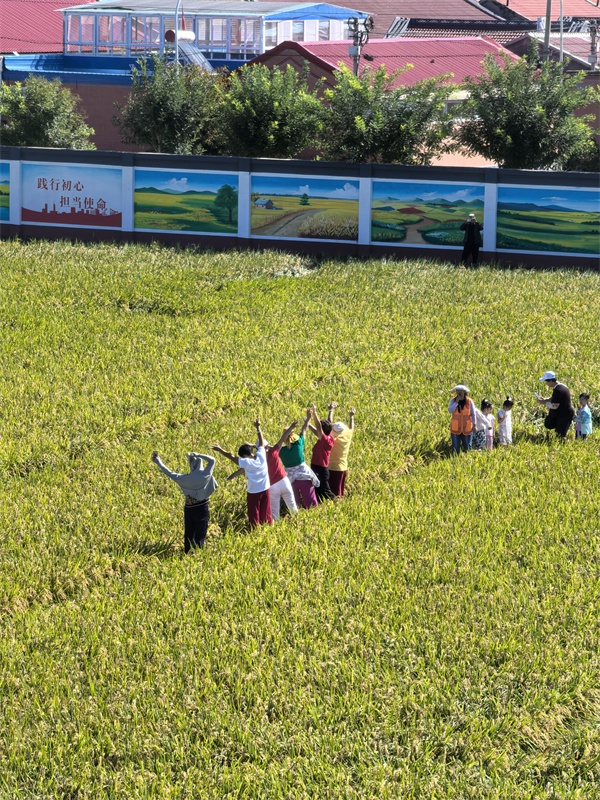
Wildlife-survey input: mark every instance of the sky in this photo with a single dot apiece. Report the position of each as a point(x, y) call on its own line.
point(573, 199)
point(334, 189)
point(405, 191)
point(183, 181)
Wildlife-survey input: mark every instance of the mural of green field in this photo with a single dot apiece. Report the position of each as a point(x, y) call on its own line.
point(312, 209)
point(535, 219)
point(4, 198)
point(423, 212)
point(177, 202)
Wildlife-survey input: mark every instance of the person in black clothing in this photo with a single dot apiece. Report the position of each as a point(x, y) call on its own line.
point(472, 240)
point(560, 408)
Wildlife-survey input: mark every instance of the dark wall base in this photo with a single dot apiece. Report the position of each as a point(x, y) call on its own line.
point(308, 247)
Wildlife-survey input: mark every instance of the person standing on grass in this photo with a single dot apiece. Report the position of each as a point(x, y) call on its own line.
point(560, 408)
point(463, 420)
point(338, 460)
point(486, 410)
point(281, 488)
point(472, 240)
point(257, 474)
point(504, 417)
point(482, 425)
point(321, 454)
point(197, 486)
point(583, 419)
point(302, 478)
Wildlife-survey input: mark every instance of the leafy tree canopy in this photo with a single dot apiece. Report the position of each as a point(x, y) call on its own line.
point(42, 113)
point(368, 120)
point(170, 108)
point(268, 113)
point(520, 115)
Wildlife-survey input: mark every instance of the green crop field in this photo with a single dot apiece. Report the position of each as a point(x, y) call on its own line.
point(191, 211)
point(432, 636)
point(558, 231)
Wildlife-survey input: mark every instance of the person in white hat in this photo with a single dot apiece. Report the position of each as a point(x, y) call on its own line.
point(463, 420)
point(338, 460)
point(472, 240)
point(560, 408)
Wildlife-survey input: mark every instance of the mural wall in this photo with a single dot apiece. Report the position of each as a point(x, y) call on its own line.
point(555, 220)
point(4, 191)
point(371, 207)
point(304, 208)
point(423, 213)
point(201, 202)
point(59, 194)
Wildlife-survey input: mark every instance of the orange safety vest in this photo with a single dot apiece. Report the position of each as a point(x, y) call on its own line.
point(462, 423)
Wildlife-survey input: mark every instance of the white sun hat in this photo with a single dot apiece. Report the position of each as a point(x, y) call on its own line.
point(548, 376)
point(338, 427)
point(460, 387)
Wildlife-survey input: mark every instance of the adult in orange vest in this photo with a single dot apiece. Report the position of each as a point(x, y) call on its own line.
point(462, 424)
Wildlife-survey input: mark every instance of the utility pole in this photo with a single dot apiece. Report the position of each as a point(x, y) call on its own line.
point(359, 29)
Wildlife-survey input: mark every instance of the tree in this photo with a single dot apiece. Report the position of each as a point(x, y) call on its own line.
point(42, 113)
point(304, 201)
point(170, 108)
point(227, 197)
point(520, 115)
point(368, 120)
point(268, 113)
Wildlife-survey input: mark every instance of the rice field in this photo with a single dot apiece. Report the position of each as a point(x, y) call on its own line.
point(434, 635)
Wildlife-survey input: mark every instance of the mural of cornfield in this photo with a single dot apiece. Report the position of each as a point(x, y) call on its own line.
point(414, 213)
point(304, 208)
point(548, 220)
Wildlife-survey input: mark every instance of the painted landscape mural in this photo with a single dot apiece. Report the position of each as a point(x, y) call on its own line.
point(4, 192)
point(417, 213)
point(551, 220)
point(202, 202)
point(311, 208)
point(58, 194)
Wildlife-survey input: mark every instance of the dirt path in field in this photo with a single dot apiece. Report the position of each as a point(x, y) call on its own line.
point(286, 226)
point(412, 231)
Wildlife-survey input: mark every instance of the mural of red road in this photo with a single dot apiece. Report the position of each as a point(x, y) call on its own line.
point(289, 225)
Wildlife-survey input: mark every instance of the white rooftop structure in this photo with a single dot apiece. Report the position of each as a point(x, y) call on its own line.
point(220, 30)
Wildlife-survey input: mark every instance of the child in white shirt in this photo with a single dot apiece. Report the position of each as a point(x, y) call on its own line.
point(504, 417)
point(486, 410)
point(482, 426)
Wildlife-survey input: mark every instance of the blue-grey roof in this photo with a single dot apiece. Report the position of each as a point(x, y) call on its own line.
point(221, 8)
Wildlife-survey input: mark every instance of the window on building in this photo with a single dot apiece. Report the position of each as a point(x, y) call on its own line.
point(298, 31)
point(202, 33)
point(80, 33)
point(145, 34)
point(324, 32)
point(218, 35)
point(270, 34)
point(112, 31)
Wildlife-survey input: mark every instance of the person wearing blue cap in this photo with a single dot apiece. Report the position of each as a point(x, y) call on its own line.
point(560, 408)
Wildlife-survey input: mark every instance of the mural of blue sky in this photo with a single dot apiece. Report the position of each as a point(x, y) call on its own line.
point(313, 187)
point(426, 192)
point(4, 172)
point(552, 199)
point(179, 182)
